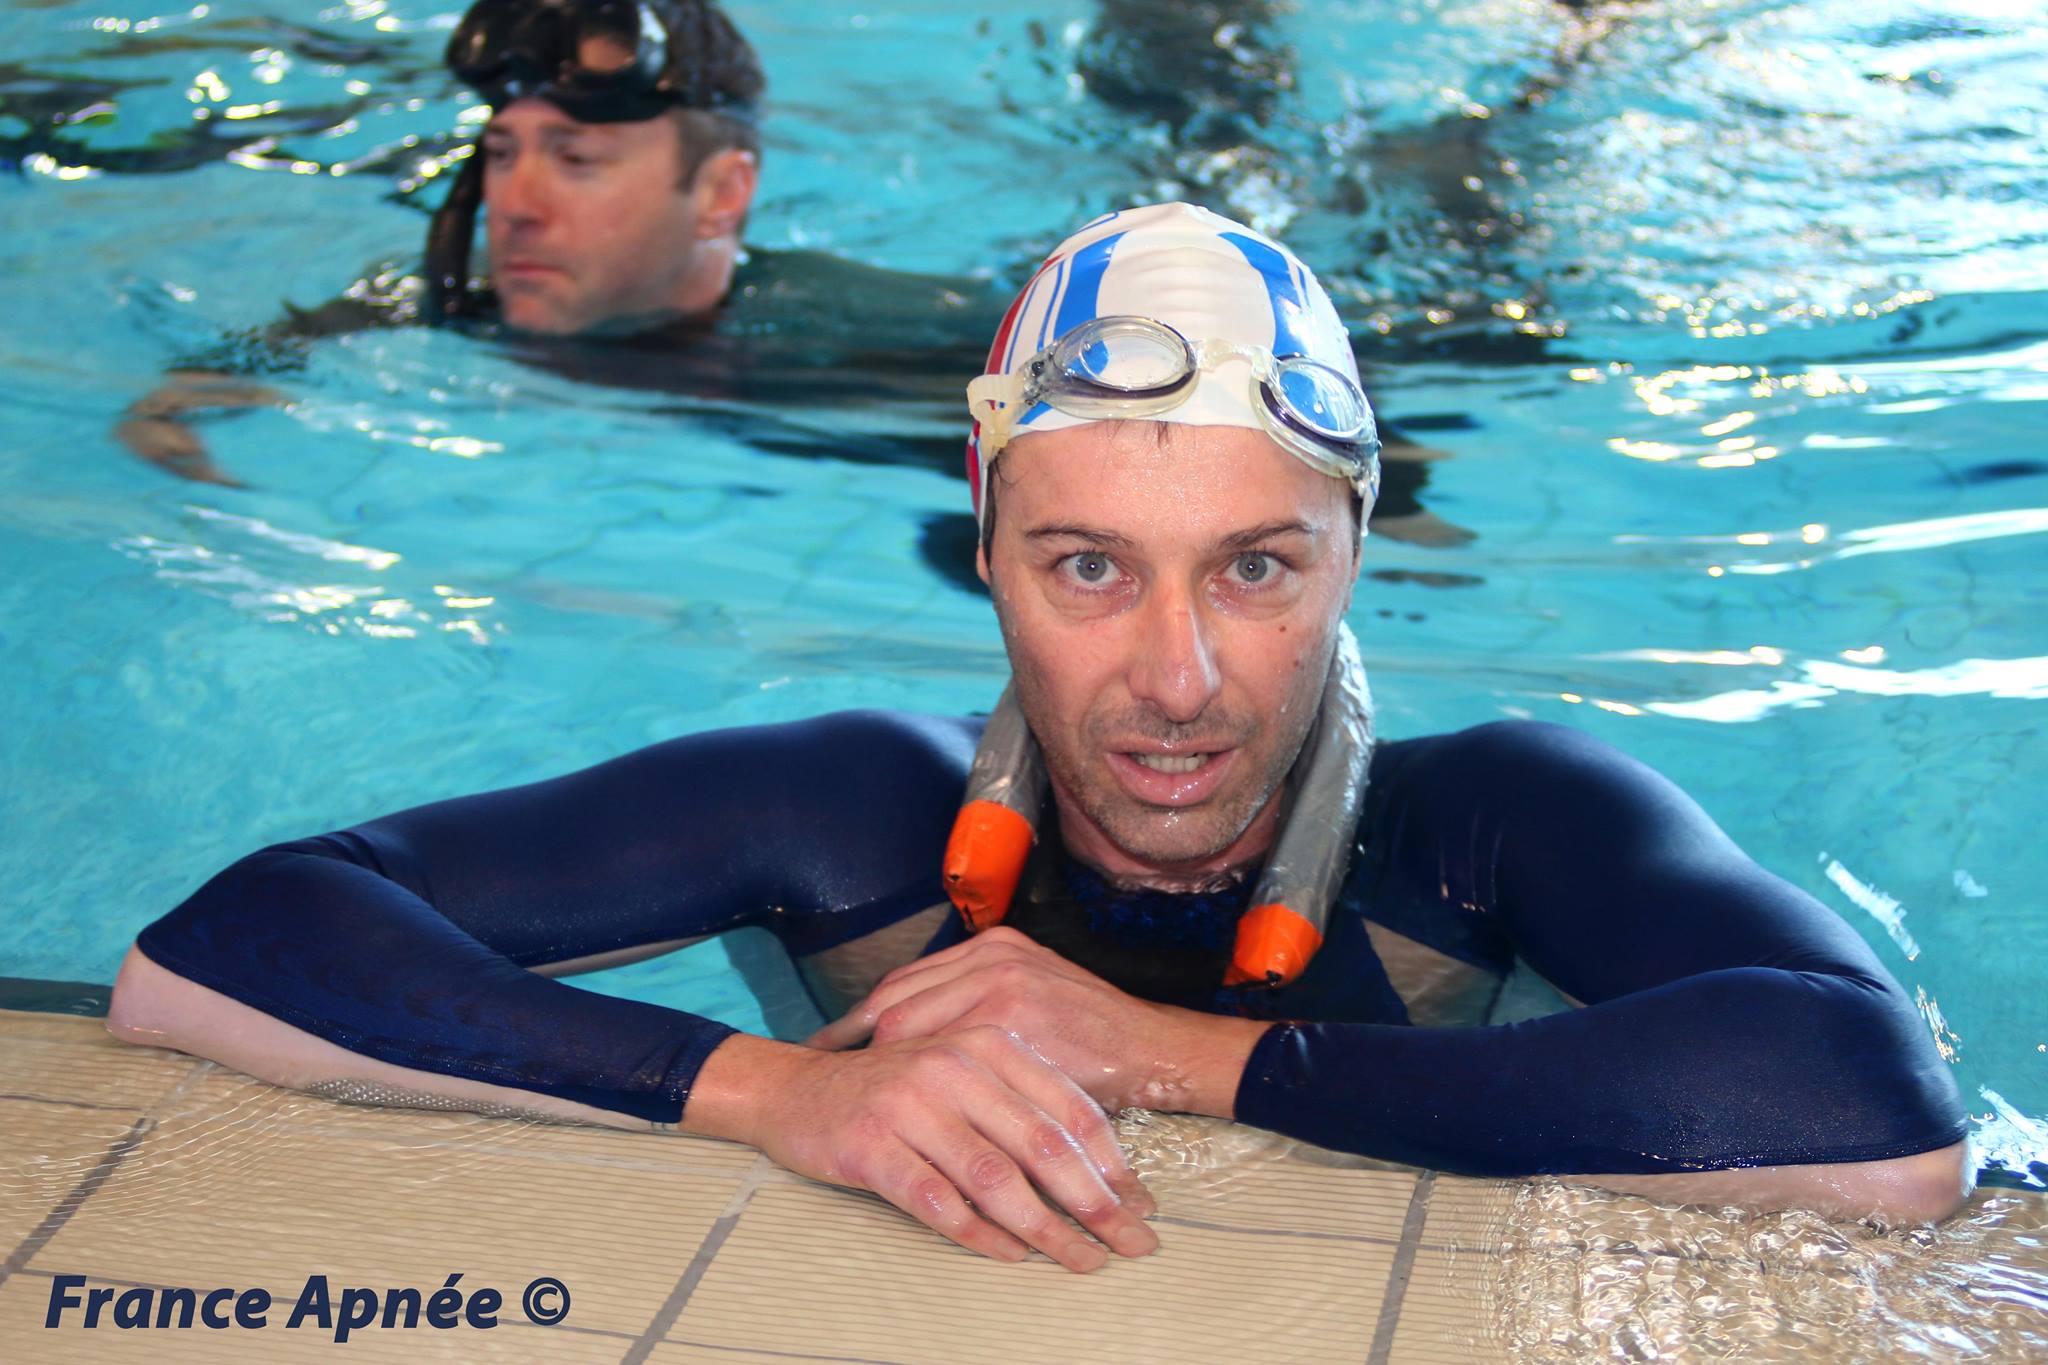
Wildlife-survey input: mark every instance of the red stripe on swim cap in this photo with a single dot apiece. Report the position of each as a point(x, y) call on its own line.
point(988, 366)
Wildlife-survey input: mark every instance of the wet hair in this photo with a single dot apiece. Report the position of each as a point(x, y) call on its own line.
point(725, 83)
point(704, 133)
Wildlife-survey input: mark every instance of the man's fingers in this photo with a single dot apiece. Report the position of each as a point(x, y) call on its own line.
point(857, 1025)
point(852, 1027)
point(1059, 1096)
point(930, 1011)
point(914, 1185)
point(997, 1184)
point(997, 944)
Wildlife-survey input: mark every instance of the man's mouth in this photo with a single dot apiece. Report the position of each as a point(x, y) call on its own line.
point(1162, 779)
point(1172, 763)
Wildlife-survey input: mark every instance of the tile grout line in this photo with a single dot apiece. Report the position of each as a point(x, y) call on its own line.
point(783, 1355)
point(1401, 1269)
point(103, 1170)
point(54, 1221)
point(11, 1098)
point(693, 1274)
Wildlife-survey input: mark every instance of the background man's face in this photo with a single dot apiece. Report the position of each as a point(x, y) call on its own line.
point(1170, 597)
point(586, 223)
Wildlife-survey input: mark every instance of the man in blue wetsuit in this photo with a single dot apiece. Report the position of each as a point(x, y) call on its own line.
point(1172, 869)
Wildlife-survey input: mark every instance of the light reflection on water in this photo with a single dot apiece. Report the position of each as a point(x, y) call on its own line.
point(1562, 1274)
point(1584, 1276)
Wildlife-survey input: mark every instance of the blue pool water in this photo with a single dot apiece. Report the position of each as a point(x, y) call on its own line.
point(1739, 367)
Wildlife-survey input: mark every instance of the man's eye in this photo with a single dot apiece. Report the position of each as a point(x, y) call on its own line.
point(1255, 568)
point(1089, 568)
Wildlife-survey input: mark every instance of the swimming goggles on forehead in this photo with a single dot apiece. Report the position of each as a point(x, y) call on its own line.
point(508, 50)
point(1132, 367)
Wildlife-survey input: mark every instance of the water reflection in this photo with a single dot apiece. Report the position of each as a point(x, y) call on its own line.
point(1585, 1276)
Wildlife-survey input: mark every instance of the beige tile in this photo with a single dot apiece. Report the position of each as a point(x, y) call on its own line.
point(219, 1103)
point(1300, 1197)
point(1212, 1171)
point(1444, 1318)
point(46, 1151)
point(56, 1056)
point(695, 1353)
point(267, 1203)
point(877, 1286)
point(53, 1028)
point(25, 1299)
point(1468, 1213)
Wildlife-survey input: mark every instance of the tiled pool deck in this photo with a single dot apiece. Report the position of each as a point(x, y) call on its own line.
point(137, 1167)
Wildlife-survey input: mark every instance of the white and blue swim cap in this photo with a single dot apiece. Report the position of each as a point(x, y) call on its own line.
point(1217, 283)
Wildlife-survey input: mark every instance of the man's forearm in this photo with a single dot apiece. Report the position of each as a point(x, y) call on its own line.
point(186, 391)
point(1749, 1067)
point(154, 425)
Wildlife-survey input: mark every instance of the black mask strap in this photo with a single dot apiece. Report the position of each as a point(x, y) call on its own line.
point(448, 243)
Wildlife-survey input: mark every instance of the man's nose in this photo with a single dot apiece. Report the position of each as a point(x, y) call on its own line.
point(517, 190)
point(1174, 666)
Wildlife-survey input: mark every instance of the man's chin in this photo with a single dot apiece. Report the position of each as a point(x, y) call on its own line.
point(1179, 843)
point(536, 318)
point(538, 306)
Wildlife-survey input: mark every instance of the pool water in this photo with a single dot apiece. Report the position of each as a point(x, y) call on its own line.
point(1729, 356)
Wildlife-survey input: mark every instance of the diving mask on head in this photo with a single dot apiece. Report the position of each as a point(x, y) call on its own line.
point(509, 50)
point(598, 61)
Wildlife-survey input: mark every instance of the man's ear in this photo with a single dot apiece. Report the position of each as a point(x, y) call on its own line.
point(725, 192)
point(981, 563)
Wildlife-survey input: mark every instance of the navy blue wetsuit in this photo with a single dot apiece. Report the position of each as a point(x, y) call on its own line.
point(1729, 1019)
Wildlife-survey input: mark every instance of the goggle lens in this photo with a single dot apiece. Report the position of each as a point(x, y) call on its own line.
point(1124, 357)
point(1320, 399)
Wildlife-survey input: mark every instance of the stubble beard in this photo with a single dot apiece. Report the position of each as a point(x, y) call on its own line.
point(1170, 838)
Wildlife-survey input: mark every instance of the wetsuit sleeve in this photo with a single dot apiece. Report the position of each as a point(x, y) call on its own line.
point(409, 939)
point(1729, 1019)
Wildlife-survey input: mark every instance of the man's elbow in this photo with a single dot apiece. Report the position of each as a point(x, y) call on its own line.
point(1923, 1188)
point(153, 1006)
point(141, 1010)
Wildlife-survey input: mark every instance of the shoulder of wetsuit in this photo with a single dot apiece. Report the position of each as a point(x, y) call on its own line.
point(1519, 759)
point(381, 296)
point(1544, 794)
point(875, 300)
point(336, 317)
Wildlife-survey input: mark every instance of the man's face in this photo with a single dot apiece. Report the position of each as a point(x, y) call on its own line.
point(1170, 597)
point(588, 223)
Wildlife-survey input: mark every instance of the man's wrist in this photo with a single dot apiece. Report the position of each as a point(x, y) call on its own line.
point(735, 1086)
point(1202, 1062)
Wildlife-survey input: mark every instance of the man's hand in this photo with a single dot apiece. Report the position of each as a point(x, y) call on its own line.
point(154, 426)
point(1123, 1051)
point(953, 1131)
point(172, 446)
